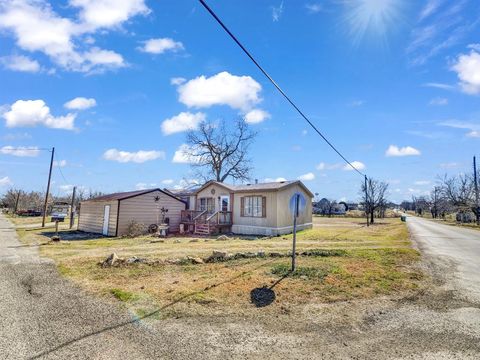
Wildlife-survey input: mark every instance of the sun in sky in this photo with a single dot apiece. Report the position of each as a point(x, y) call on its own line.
point(371, 17)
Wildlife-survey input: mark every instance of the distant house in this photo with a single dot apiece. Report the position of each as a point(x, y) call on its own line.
point(256, 209)
point(111, 214)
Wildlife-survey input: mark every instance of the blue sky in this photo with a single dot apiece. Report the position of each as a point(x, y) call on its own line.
point(113, 85)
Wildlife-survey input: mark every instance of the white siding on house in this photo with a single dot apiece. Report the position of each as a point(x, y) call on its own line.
point(91, 216)
point(143, 209)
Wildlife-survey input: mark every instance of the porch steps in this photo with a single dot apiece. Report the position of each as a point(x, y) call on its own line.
point(203, 229)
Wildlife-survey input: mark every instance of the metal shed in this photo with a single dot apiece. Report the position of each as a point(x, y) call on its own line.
point(111, 214)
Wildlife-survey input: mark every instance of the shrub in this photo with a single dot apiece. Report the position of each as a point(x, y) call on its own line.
point(135, 229)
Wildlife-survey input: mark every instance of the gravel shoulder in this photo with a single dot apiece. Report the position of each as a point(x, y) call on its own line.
point(46, 316)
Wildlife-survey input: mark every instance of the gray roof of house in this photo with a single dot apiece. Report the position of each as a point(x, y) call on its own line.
point(268, 186)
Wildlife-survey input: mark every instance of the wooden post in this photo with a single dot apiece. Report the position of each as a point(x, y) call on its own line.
point(366, 198)
point(294, 247)
point(48, 188)
point(477, 205)
point(72, 213)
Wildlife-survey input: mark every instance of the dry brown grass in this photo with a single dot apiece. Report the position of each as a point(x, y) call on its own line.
point(378, 260)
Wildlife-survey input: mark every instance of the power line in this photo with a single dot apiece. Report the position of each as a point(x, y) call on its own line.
point(264, 72)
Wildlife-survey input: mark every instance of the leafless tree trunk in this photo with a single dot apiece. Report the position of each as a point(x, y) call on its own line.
point(218, 152)
point(375, 196)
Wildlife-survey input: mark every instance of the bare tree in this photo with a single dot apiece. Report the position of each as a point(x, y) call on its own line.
point(374, 199)
point(459, 191)
point(219, 152)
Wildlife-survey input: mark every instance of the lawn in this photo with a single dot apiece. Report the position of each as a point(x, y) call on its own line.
point(347, 260)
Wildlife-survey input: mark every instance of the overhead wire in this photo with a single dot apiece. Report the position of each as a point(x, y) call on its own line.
point(264, 72)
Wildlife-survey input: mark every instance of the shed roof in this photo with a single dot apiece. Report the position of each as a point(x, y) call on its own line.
point(130, 194)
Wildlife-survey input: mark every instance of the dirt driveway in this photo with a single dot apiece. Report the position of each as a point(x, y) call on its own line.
point(44, 316)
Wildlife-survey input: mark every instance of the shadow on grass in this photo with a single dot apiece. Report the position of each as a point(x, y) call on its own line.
point(74, 235)
point(265, 296)
point(153, 313)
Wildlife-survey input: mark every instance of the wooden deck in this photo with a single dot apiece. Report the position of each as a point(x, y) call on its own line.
point(205, 223)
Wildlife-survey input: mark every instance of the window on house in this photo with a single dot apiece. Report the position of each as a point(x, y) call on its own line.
point(253, 206)
point(207, 204)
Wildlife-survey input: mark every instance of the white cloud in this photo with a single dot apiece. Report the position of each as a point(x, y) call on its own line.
point(161, 45)
point(182, 122)
point(474, 47)
point(307, 177)
point(136, 157)
point(357, 164)
point(97, 60)
point(474, 128)
point(356, 103)
point(177, 80)
point(108, 13)
point(256, 116)
point(28, 113)
point(238, 92)
point(21, 151)
point(80, 103)
point(66, 188)
point(439, 86)
point(467, 68)
point(314, 8)
point(186, 184)
point(5, 181)
point(181, 155)
point(395, 151)
point(277, 12)
point(141, 186)
point(278, 179)
point(20, 63)
point(168, 182)
point(450, 165)
point(36, 27)
point(430, 8)
point(422, 182)
point(60, 163)
point(324, 166)
point(438, 101)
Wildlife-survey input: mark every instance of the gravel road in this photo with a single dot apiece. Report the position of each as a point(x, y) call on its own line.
point(44, 316)
point(457, 246)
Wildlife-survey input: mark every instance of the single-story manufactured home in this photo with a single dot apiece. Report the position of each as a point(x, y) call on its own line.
point(111, 215)
point(256, 209)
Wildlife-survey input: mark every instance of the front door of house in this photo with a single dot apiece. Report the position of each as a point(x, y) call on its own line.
point(225, 203)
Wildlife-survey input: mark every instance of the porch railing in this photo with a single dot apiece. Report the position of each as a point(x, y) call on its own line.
point(220, 218)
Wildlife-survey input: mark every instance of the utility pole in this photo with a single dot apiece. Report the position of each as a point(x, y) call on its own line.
point(16, 202)
point(72, 213)
point(477, 205)
point(294, 247)
point(366, 198)
point(48, 188)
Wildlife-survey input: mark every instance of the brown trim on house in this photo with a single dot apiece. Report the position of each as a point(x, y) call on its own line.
point(242, 206)
point(118, 217)
point(264, 206)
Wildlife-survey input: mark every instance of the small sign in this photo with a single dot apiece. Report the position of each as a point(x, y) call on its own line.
point(302, 203)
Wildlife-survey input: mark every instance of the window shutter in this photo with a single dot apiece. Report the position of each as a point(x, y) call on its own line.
point(264, 206)
point(242, 206)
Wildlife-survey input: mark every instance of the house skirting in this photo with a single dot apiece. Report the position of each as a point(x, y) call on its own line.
point(267, 231)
